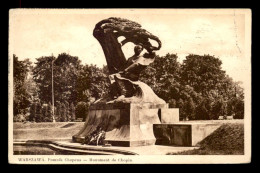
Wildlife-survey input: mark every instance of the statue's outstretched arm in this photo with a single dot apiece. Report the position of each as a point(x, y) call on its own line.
point(131, 67)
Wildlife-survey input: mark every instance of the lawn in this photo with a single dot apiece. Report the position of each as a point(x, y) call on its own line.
point(44, 131)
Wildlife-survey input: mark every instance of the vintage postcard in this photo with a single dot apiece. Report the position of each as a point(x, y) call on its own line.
point(129, 86)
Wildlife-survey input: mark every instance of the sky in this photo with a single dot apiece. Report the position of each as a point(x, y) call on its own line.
point(36, 33)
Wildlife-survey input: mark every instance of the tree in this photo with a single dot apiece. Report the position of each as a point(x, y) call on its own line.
point(219, 109)
point(201, 111)
point(163, 76)
point(180, 105)
point(42, 76)
point(47, 112)
point(63, 112)
point(189, 109)
point(44, 112)
point(239, 109)
point(30, 85)
point(66, 80)
point(67, 106)
point(49, 115)
point(39, 117)
point(236, 100)
point(72, 109)
point(65, 72)
point(213, 90)
point(198, 86)
point(32, 116)
point(58, 111)
point(21, 96)
point(91, 82)
point(172, 103)
point(81, 110)
point(203, 73)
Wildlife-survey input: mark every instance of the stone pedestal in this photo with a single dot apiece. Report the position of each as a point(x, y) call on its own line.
point(126, 124)
point(183, 134)
point(169, 115)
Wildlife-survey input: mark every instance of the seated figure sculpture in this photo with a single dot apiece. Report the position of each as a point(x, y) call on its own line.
point(127, 79)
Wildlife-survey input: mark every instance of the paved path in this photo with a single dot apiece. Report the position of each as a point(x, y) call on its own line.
point(141, 150)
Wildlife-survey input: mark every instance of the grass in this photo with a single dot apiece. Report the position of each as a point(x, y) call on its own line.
point(43, 131)
point(30, 125)
point(228, 139)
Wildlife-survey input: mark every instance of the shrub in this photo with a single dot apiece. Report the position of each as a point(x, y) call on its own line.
point(201, 111)
point(63, 112)
point(58, 112)
point(81, 110)
point(67, 110)
point(49, 113)
point(44, 112)
point(72, 110)
point(218, 109)
point(180, 105)
point(172, 103)
point(32, 115)
point(239, 110)
point(189, 109)
point(19, 118)
point(38, 114)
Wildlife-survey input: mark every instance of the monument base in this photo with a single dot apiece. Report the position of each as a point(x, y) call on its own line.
point(125, 124)
point(183, 134)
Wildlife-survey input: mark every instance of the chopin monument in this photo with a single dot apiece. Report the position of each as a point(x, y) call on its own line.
point(125, 117)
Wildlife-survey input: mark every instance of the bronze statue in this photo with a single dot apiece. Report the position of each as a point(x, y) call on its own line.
point(124, 74)
point(124, 117)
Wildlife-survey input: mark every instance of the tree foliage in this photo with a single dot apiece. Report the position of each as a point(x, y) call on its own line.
point(163, 76)
point(81, 110)
point(21, 96)
point(203, 73)
point(197, 86)
point(65, 69)
point(92, 82)
point(72, 109)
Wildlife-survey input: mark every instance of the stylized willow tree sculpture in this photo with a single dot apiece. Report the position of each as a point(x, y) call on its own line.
point(107, 33)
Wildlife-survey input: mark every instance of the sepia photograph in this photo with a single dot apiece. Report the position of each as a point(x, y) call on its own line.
point(129, 86)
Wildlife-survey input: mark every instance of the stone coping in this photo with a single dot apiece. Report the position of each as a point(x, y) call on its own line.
point(63, 145)
point(110, 106)
point(187, 123)
point(76, 148)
